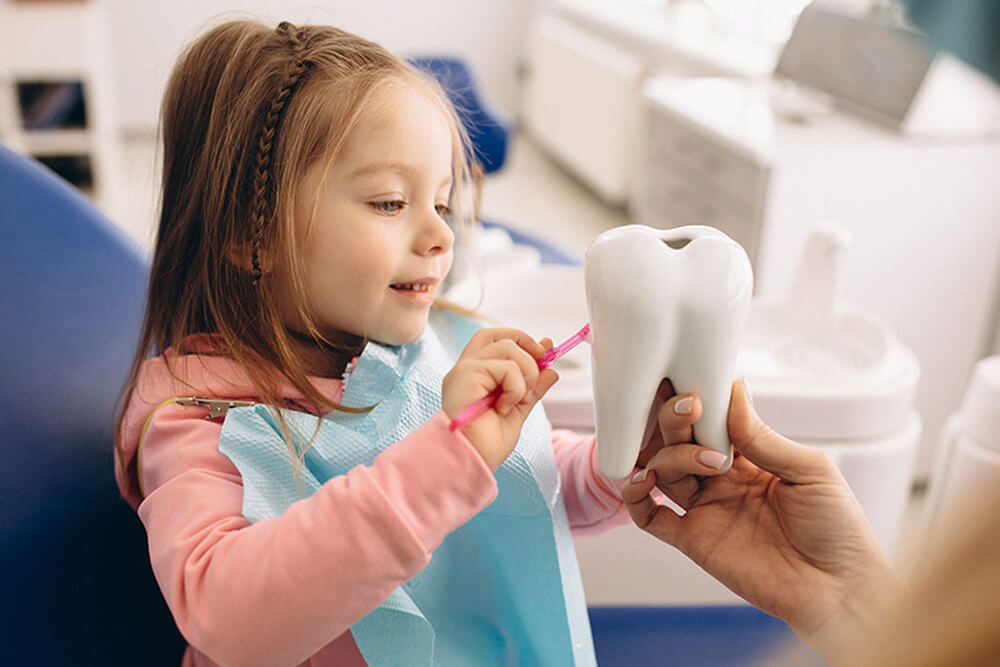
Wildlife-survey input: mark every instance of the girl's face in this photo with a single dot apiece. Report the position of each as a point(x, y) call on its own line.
point(379, 246)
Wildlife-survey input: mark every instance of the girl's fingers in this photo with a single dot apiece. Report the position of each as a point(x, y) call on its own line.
point(657, 520)
point(486, 337)
point(509, 350)
point(770, 451)
point(546, 379)
point(507, 375)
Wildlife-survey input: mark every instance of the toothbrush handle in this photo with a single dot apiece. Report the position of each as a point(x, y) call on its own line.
point(471, 413)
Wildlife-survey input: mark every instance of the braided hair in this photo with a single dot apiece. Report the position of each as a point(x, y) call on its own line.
point(297, 69)
point(232, 174)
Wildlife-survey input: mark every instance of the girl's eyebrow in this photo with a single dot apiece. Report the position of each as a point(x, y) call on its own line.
point(399, 167)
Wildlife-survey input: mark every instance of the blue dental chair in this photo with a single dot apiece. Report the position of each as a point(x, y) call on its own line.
point(76, 583)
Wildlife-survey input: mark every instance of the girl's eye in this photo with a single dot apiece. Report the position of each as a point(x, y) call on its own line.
point(443, 210)
point(388, 207)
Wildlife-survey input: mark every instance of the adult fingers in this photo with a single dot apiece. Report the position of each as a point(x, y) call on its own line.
point(678, 468)
point(677, 416)
point(769, 450)
point(658, 520)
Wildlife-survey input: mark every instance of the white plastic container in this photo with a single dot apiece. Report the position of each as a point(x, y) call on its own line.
point(967, 464)
point(837, 379)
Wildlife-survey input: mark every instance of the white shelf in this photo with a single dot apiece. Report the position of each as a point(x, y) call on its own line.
point(63, 42)
point(57, 142)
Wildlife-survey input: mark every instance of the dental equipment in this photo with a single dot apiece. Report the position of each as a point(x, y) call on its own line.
point(662, 304)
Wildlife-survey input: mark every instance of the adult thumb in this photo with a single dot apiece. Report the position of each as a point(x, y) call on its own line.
point(769, 450)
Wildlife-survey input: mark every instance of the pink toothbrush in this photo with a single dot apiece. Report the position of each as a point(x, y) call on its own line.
point(468, 415)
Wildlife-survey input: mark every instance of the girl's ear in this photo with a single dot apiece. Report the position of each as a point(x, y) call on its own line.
point(240, 255)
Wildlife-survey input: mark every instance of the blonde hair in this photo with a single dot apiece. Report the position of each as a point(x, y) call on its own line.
point(247, 111)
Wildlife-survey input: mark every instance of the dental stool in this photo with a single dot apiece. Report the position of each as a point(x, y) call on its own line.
point(76, 580)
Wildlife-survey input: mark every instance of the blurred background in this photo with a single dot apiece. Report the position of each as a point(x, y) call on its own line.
point(855, 159)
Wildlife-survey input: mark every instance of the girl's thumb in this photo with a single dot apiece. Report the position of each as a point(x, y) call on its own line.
point(769, 450)
point(546, 379)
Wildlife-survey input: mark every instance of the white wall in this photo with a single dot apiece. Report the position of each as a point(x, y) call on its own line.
point(148, 35)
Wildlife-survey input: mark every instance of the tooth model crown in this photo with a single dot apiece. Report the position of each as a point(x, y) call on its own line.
point(663, 304)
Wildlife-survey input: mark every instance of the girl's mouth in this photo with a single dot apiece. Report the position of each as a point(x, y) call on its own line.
point(421, 293)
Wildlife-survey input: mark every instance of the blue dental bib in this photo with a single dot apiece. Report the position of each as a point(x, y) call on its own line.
point(502, 589)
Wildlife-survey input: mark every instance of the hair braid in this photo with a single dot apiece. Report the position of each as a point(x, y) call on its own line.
point(266, 141)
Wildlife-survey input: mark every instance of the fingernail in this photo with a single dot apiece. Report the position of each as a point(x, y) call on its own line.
point(711, 458)
point(683, 406)
point(640, 476)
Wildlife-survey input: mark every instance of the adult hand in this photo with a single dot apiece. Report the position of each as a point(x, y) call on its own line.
point(781, 528)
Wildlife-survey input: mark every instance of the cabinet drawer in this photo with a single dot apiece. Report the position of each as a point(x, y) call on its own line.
point(667, 199)
point(745, 235)
point(737, 173)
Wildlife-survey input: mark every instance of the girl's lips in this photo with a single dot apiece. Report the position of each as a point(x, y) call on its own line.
point(425, 298)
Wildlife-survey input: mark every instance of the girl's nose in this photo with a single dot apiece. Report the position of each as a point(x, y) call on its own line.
point(437, 237)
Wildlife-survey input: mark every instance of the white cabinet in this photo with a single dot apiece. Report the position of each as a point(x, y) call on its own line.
point(587, 60)
point(56, 98)
point(924, 215)
point(706, 169)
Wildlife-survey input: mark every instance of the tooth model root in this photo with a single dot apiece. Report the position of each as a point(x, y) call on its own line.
point(663, 304)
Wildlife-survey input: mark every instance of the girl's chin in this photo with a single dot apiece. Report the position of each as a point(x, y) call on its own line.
point(397, 338)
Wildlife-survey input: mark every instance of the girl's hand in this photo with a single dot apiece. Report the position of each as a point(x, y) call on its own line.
point(781, 529)
point(497, 358)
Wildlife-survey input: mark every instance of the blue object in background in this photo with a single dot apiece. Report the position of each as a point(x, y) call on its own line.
point(486, 128)
point(715, 636)
point(75, 578)
point(489, 133)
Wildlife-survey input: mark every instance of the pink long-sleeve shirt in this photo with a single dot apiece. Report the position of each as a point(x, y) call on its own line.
point(286, 590)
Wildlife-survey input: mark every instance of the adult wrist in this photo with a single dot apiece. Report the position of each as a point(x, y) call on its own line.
point(863, 610)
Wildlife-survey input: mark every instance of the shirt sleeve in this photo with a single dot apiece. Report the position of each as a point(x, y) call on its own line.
point(279, 590)
point(593, 502)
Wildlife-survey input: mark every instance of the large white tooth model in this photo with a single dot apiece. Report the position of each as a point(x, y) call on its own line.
point(663, 304)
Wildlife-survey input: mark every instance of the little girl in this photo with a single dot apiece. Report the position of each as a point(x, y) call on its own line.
point(285, 438)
